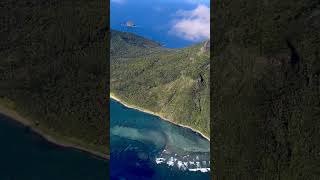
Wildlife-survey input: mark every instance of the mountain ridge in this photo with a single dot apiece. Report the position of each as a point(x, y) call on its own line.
point(171, 82)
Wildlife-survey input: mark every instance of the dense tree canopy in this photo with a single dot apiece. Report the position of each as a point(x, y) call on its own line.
point(266, 89)
point(53, 67)
point(170, 82)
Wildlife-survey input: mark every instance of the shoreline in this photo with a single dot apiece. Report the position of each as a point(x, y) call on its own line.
point(15, 116)
point(156, 114)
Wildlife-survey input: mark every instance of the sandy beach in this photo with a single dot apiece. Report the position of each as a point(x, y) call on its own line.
point(23, 120)
point(155, 114)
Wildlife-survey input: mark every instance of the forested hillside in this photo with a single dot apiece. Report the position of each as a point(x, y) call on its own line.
point(266, 90)
point(53, 67)
point(171, 82)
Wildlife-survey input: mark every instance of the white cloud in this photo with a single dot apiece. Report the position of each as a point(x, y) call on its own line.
point(193, 25)
point(119, 1)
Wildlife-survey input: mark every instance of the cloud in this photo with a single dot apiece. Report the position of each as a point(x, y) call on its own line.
point(118, 1)
point(193, 25)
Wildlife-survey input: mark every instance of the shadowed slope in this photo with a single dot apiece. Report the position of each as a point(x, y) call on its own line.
point(266, 90)
point(53, 67)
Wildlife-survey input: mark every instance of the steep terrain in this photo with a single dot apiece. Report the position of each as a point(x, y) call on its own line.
point(266, 89)
point(171, 82)
point(53, 67)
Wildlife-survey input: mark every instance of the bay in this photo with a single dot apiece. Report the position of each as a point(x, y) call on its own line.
point(25, 155)
point(145, 147)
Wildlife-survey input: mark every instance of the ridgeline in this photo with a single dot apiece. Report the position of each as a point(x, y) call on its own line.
point(173, 83)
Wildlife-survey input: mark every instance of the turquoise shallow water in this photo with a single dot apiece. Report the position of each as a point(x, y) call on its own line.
point(25, 155)
point(145, 147)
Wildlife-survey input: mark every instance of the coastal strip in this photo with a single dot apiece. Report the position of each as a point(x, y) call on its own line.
point(114, 97)
point(24, 121)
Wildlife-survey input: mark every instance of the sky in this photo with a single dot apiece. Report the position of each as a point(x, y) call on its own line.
point(174, 23)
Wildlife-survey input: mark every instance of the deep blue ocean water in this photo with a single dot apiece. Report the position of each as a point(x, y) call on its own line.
point(144, 147)
point(154, 18)
point(24, 155)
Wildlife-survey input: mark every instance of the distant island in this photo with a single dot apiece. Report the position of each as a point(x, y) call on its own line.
point(170, 83)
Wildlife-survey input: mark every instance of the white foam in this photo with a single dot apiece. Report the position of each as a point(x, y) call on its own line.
point(179, 164)
point(185, 164)
point(200, 169)
point(198, 164)
point(170, 163)
point(160, 160)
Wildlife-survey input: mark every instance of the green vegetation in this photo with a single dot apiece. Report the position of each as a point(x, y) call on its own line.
point(170, 82)
point(53, 67)
point(266, 90)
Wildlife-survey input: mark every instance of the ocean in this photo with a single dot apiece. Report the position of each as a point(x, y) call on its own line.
point(24, 155)
point(145, 147)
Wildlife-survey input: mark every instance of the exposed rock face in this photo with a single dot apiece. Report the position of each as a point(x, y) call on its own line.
point(206, 46)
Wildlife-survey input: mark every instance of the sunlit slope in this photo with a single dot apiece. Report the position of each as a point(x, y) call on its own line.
point(171, 82)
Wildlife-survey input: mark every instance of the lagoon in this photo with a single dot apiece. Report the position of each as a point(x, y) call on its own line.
point(145, 147)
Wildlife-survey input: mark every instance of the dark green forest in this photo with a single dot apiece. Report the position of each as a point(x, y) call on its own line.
point(265, 90)
point(171, 82)
point(53, 67)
